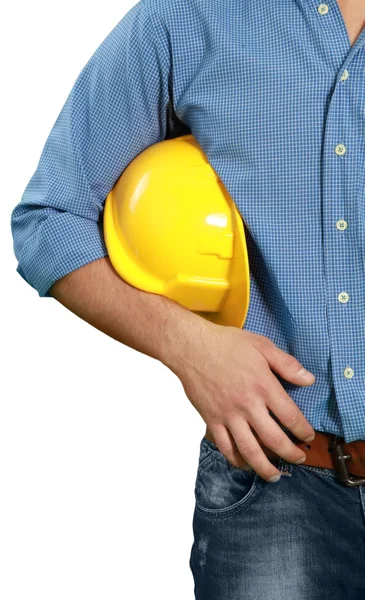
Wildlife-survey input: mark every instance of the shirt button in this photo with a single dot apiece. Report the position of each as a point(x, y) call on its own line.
point(341, 224)
point(323, 9)
point(340, 149)
point(343, 297)
point(344, 75)
point(348, 372)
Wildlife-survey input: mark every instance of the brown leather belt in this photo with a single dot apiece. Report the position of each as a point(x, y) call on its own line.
point(332, 452)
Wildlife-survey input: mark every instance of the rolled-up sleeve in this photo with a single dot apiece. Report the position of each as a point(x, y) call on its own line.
point(115, 109)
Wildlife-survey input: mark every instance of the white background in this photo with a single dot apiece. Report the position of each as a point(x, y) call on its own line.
point(98, 442)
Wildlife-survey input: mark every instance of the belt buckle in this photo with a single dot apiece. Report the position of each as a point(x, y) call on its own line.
point(341, 468)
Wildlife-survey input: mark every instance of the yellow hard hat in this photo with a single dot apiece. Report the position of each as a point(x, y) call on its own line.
point(172, 229)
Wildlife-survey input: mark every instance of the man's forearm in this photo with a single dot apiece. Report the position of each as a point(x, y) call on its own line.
point(149, 323)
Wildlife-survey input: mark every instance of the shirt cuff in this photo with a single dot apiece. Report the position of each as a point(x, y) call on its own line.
point(62, 243)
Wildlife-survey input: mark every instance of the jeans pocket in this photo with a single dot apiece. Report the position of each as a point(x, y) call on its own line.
point(222, 489)
point(207, 449)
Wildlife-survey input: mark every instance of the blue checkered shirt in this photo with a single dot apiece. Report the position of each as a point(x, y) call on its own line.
point(275, 95)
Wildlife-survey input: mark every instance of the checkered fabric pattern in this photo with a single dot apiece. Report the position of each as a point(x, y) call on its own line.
point(275, 95)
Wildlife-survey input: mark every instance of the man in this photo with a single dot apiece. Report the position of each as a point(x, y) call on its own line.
point(274, 93)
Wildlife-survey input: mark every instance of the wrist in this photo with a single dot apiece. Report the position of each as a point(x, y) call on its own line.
point(184, 340)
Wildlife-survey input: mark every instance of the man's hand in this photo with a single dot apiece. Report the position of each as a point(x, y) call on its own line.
point(225, 371)
point(228, 378)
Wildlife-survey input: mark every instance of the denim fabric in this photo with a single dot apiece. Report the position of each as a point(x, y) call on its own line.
point(302, 538)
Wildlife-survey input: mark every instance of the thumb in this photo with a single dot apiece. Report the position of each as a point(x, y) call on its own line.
point(287, 365)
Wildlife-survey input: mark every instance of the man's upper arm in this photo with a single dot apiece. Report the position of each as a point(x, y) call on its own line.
point(115, 109)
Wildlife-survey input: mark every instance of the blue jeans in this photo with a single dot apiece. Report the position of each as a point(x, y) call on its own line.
point(302, 538)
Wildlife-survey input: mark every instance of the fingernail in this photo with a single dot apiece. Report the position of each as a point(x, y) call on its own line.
point(304, 374)
point(274, 478)
point(301, 460)
point(310, 438)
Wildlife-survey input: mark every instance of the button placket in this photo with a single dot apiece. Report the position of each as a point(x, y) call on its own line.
point(341, 224)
